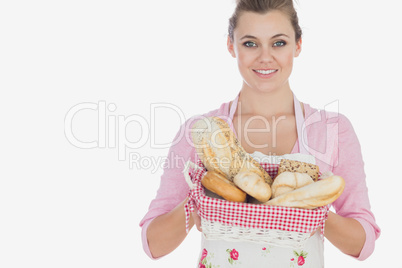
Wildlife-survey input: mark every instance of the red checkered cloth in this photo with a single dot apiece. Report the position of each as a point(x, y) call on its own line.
point(252, 215)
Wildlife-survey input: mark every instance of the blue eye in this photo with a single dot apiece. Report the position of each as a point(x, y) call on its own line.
point(279, 44)
point(249, 44)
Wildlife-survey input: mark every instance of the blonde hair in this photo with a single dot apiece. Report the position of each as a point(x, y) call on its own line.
point(263, 7)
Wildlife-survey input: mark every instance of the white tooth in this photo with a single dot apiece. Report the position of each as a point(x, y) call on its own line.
point(265, 71)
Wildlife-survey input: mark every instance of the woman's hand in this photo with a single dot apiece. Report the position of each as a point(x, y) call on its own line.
point(197, 220)
point(346, 234)
point(167, 231)
point(316, 230)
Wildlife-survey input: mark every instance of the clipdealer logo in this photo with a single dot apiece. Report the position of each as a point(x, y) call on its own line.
point(112, 132)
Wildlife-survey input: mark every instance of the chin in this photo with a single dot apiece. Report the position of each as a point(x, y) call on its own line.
point(264, 88)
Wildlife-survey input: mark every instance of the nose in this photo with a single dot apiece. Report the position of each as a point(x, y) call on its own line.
point(266, 55)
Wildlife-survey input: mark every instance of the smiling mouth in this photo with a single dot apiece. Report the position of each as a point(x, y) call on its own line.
point(265, 71)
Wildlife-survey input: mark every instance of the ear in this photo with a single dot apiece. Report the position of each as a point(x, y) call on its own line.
point(231, 47)
point(298, 47)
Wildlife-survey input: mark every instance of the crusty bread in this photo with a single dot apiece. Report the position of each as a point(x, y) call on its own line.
point(218, 184)
point(220, 151)
point(317, 194)
point(254, 185)
point(301, 167)
point(289, 181)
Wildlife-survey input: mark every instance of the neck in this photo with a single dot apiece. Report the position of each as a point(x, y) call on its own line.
point(267, 104)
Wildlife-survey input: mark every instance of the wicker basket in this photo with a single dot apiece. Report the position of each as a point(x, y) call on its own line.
point(233, 221)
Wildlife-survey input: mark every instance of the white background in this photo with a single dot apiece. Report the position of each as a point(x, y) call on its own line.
point(64, 206)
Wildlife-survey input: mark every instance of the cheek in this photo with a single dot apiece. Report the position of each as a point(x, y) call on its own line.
point(245, 60)
point(286, 59)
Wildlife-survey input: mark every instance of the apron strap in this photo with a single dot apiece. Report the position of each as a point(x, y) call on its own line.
point(233, 107)
point(301, 136)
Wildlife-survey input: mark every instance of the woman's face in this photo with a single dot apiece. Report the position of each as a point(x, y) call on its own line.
point(264, 45)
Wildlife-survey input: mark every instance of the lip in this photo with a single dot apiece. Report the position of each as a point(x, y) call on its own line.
point(265, 76)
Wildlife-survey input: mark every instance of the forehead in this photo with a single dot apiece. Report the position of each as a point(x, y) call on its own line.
point(263, 25)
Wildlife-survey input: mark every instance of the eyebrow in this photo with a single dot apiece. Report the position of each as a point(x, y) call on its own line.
point(253, 37)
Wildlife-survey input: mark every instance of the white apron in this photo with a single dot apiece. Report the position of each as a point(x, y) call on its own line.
point(220, 253)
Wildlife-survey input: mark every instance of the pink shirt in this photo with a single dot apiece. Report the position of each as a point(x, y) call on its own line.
point(331, 139)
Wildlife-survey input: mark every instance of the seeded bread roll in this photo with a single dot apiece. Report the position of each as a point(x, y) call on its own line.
point(301, 167)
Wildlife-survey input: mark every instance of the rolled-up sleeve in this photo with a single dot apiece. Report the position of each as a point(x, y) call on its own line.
point(173, 188)
point(354, 201)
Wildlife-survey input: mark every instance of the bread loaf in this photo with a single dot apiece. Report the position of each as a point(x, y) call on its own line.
point(219, 150)
point(289, 181)
point(221, 186)
point(254, 185)
point(301, 167)
point(317, 194)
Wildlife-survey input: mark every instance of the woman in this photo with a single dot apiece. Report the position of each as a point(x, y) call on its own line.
point(265, 37)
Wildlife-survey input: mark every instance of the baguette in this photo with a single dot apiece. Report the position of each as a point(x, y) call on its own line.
point(218, 184)
point(317, 194)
